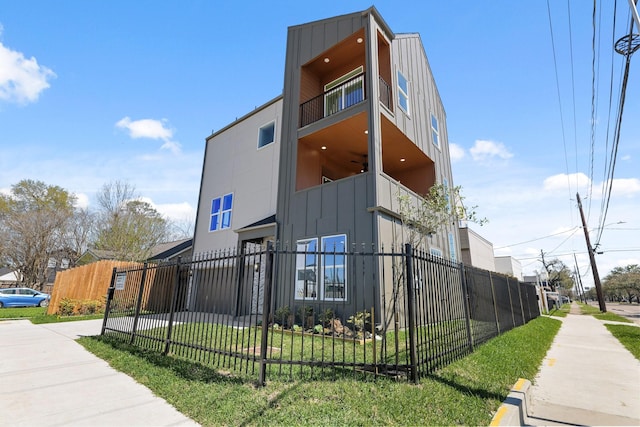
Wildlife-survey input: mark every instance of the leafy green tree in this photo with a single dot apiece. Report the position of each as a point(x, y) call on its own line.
point(623, 283)
point(34, 218)
point(559, 276)
point(440, 207)
point(128, 226)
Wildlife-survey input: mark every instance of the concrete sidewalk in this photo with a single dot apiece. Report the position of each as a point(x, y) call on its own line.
point(47, 379)
point(586, 378)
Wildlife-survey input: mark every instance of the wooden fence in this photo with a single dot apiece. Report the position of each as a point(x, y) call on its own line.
point(88, 282)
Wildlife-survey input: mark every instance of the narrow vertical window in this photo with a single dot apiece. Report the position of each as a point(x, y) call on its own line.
point(267, 134)
point(221, 208)
point(452, 248)
point(307, 269)
point(435, 134)
point(445, 184)
point(334, 267)
point(403, 93)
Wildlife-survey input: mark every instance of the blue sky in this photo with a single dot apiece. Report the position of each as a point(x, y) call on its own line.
point(92, 92)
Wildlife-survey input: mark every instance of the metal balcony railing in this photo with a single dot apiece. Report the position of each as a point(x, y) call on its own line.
point(336, 99)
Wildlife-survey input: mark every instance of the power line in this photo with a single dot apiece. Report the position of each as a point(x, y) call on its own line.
point(536, 239)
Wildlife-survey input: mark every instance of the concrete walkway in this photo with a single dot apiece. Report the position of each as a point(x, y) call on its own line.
point(587, 378)
point(47, 379)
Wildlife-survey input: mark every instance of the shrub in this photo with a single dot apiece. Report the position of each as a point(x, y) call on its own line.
point(71, 307)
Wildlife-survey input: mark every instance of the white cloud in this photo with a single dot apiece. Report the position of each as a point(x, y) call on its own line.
point(151, 129)
point(562, 182)
point(21, 79)
point(627, 157)
point(456, 152)
point(82, 201)
point(484, 150)
point(146, 128)
point(625, 186)
point(172, 211)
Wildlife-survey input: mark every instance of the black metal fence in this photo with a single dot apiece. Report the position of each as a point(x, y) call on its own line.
point(401, 313)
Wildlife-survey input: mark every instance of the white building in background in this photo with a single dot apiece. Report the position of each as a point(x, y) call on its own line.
point(509, 266)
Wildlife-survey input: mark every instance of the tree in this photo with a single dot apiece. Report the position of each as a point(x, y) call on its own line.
point(128, 226)
point(558, 275)
point(441, 206)
point(34, 217)
point(623, 283)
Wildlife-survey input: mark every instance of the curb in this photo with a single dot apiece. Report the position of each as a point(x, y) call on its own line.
point(513, 411)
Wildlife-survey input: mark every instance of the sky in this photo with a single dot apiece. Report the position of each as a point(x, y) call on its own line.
point(94, 92)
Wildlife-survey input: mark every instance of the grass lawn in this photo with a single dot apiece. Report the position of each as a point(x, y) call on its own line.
point(629, 336)
point(466, 392)
point(595, 311)
point(560, 312)
point(39, 315)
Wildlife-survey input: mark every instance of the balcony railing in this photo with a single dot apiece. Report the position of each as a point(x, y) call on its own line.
point(336, 99)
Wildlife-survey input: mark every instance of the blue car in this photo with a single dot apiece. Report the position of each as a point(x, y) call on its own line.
point(23, 297)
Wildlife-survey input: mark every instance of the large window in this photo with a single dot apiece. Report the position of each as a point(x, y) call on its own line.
point(221, 208)
point(435, 134)
point(307, 269)
point(344, 92)
point(403, 93)
point(266, 134)
point(321, 273)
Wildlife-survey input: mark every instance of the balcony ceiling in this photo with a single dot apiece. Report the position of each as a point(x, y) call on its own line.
point(345, 142)
point(339, 55)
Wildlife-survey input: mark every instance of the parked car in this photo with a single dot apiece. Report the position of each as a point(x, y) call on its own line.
point(23, 297)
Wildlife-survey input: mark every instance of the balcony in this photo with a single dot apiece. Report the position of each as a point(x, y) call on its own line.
point(334, 100)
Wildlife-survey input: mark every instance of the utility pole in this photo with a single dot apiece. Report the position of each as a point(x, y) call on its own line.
point(592, 259)
point(579, 280)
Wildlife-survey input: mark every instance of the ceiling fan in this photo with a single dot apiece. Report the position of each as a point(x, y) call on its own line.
point(364, 163)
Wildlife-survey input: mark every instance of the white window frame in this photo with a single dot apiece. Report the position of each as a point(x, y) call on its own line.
point(307, 249)
point(328, 92)
point(266, 125)
point(402, 93)
point(333, 252)
point(219, 214)
point(310, 258)
point(436, 252)
point(435, 131)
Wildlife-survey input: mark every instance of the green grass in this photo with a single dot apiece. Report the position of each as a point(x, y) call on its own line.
point(466, 392)
point(560, 312)
point(595, 312)
point(38, 315)
point(22, 312)
point(629, 336)
point(611, 316)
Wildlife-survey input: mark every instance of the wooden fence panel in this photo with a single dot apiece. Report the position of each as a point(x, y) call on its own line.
point(87, 282)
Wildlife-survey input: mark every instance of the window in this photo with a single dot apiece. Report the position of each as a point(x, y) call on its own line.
point(334, 267)
point(435, 134)
point(307, 269)
point(221, 208)
point(344, 92)
point(266, 134)
point(452, 248)
point(435, 252)
point(403, 93)
point(323, 269)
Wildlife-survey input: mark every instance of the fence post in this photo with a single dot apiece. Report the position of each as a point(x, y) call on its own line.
point(467, 310)
point(495, 303)
point(174, 293)
point(513, 317)
point(266, 307)
point(411, 313)
point(520, 300)
point(107, 306)
point(138, 303)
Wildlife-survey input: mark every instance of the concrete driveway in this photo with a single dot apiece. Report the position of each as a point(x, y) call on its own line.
point(47, 379)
